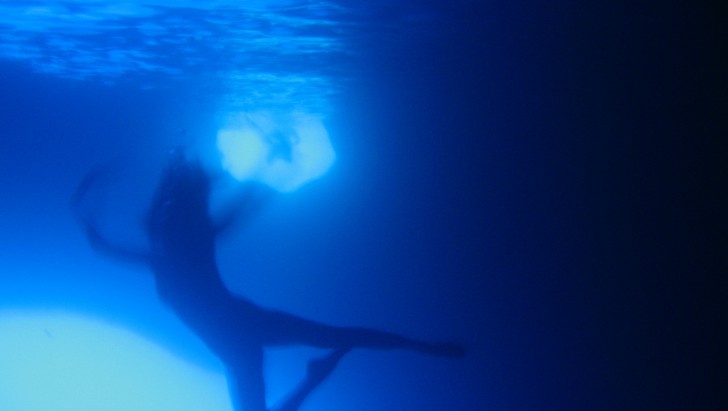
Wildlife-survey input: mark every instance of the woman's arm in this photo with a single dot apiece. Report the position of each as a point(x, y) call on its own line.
point(98, 241)
point(115, 251)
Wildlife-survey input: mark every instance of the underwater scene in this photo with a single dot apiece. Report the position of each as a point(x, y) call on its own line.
point(339, 205)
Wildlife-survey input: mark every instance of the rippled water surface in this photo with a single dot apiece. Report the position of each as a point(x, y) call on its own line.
point(275, 52)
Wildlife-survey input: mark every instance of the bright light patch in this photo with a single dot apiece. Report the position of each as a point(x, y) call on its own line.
point(284, 152)
point(243, 151)
point(56, 361)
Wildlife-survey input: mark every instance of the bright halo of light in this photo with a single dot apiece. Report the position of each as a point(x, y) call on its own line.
point(59, 361)
point(282, 151)
point(243, 151)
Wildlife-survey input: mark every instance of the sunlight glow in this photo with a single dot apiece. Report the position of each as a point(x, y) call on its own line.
point(284, 152)
point(59, 361)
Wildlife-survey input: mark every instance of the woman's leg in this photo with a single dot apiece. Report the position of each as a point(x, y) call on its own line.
point(279, 328)
point(247, 386)
point(245, 379)
point(318, 370)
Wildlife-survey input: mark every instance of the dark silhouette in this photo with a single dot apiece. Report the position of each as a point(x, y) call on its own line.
point(181, 254)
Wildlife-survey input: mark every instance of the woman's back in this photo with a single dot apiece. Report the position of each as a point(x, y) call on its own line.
point(181, 255)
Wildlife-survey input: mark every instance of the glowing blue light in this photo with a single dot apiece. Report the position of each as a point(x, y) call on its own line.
point(57, 361)
point(284, 152)
point(243, 151)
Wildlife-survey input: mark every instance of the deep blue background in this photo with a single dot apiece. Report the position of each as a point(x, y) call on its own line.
point(539, 181)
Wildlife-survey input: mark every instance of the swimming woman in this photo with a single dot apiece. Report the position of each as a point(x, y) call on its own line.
point(181, 255)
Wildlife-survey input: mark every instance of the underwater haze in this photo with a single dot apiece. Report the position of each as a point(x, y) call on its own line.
point(539, 182)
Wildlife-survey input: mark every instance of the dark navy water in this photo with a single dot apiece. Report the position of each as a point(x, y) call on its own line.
point(539, 182)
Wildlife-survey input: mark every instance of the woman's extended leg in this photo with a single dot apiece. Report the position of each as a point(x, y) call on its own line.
point(247, 386)
point(318, 370)
point(279, 328)
point(245, 379)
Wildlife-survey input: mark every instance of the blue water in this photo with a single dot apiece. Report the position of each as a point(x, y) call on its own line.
point(529, 180)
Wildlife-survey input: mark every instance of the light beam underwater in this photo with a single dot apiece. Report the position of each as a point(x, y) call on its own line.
point(284, 152)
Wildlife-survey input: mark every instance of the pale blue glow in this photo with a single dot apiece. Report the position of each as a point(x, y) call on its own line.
point(60, 361)
point(243, 151)
point(282, 151)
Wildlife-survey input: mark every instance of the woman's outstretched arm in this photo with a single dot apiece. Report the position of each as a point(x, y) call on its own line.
point(121, 253)
point(98, 241)
point(241, 204)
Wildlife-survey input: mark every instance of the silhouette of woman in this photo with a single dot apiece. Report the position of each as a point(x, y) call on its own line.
point(181, 254)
